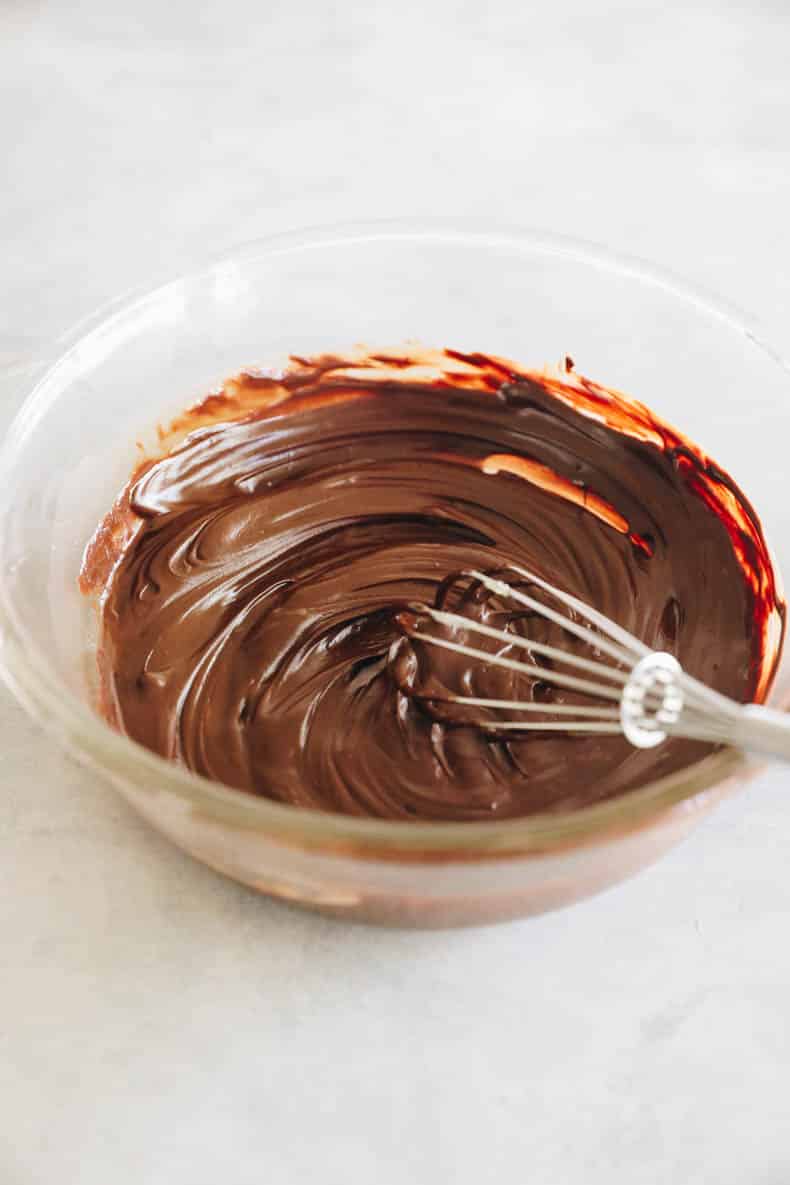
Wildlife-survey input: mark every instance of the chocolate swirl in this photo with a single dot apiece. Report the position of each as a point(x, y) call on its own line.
point(255, 576)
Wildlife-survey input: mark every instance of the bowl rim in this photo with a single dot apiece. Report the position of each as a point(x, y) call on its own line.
point(25, 669)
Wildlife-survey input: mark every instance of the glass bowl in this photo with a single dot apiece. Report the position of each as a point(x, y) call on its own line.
point(532, 297)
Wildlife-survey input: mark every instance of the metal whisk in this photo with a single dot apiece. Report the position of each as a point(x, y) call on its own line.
point(647, 696)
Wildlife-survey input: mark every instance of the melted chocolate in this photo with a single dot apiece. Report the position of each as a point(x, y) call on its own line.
point(256, 578)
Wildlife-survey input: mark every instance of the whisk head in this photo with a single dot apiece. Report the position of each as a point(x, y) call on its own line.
point(612, 684)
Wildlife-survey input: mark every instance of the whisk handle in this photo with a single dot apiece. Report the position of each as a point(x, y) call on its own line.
point(764, 731)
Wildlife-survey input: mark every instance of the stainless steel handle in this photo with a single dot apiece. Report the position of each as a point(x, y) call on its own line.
point(764, 731)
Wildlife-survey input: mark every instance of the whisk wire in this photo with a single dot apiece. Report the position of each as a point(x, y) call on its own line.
point(623, 647)
point(545, 674)
point(456, 621)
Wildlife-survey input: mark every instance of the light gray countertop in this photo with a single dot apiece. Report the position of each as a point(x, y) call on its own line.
point(159, 1024)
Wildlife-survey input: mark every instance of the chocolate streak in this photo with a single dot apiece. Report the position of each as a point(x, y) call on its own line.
point(254, 580)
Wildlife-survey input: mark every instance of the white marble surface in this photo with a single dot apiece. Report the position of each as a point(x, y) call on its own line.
point(159, 1024)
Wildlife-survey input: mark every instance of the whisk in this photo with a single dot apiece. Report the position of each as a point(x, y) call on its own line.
point(647, 696)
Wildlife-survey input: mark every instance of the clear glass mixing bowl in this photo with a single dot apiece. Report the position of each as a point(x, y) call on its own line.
point(532, 297)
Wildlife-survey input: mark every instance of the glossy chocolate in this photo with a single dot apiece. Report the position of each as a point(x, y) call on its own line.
point(254, 580)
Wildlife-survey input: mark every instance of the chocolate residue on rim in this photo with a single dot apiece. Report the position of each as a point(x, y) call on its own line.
point(253, 580)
